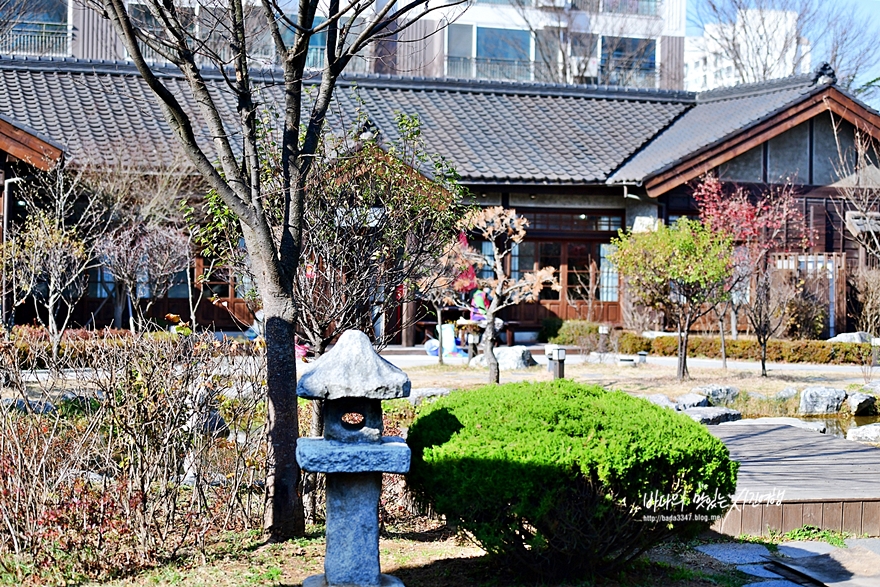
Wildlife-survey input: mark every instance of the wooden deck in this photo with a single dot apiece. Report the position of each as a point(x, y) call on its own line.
point(790, 477)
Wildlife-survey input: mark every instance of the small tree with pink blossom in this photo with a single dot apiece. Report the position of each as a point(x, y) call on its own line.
point(758, 224)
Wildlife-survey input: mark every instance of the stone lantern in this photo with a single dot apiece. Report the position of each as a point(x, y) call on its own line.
point(353, 379)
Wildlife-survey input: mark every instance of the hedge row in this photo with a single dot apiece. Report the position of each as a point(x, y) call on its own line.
point(32, 349)
point(794, 351)
point(572, 332)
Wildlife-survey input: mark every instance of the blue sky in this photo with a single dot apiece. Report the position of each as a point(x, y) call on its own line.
point(870, 7)
point(867, 5)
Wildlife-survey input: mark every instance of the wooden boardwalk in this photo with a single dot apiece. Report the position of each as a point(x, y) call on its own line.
point(790, 477)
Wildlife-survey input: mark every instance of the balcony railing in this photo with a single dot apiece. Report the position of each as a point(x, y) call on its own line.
point(35, 38)
point(314, 59)
point(631, 78)
point(643, 7)
point(500, 69)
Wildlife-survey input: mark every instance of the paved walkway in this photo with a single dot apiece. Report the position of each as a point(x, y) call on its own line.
point(856, 565)
point(416, 357)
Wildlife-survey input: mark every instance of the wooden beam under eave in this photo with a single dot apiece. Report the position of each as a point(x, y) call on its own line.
point(857, 115)
point(26, 147)
point(726, 151)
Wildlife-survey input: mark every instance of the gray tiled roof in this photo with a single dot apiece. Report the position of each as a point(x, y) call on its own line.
point(492, 132)
point(525, 133)
point(98, 114)
point(717, 115)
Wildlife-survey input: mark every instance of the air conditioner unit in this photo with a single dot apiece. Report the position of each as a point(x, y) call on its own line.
point(552, 3)
point(858, 223)
point(585, 66)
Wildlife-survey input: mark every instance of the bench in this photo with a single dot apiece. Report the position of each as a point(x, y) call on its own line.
point(423, 327)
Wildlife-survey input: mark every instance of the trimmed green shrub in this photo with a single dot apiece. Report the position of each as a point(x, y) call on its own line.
point(558, 478)
point(665, 346)
point(549, 329)
point(630, 343)
point(789, 351)
point(851, 352)
point(572, 332)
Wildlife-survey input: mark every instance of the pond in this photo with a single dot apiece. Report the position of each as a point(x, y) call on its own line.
point(838, 425)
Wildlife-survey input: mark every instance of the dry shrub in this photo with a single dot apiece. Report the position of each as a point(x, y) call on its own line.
point(132, 467)
point(867, 284)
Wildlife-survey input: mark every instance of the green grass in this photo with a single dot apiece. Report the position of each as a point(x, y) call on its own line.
point(802, 534)
point(812, 533)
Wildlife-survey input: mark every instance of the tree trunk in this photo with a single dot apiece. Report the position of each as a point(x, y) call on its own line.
point(439, 312)
point(489, 347)
point(723, 345)
point(284, 514)
point(54, 335)
point(682, 350)
point(734, 323)
point(763, 357)
point(118, 310)
point(131, 321)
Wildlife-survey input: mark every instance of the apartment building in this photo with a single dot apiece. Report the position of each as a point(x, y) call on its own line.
point(761, 45)
point(633, 43)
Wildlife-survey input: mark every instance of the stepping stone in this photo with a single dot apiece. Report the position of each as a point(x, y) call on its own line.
point(843, 567)
point(710, 416)
point(758, 571)
point(736, 553)
point(780, 583)
point(872, 544)
point(803, 548)
point(418, 395)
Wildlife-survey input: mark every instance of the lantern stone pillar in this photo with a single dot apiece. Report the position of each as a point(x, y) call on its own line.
point(352, 380)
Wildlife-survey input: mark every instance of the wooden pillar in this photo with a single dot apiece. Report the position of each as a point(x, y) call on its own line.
point(408, 333)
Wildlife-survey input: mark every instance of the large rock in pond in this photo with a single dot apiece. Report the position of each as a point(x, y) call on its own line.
point(821, 400)
point(853, 337)
point(509, 358)
point(692, 400)
point(712, 416)
point(717, 394)
point(869, 433)
point(661, 400)
point(787, 393)
point(860, 404)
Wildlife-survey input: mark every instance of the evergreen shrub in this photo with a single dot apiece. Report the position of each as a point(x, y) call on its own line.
point(556, 478)
point(631, 343)
point(549, 329)
point(665, 346)
point(573, 332)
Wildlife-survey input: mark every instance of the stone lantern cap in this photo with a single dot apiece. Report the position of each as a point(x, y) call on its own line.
point(353, 369)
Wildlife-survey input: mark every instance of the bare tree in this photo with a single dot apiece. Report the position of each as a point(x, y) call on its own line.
point(766, 309)
point(144, 262)
point(767, 39)
point(867, 282)
point(272, 223)
point(450, 276)
point(503, 229)
point(588, 42)
point(374, 224)
point(154, 210)
point(858, 188)
point(49, 256)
